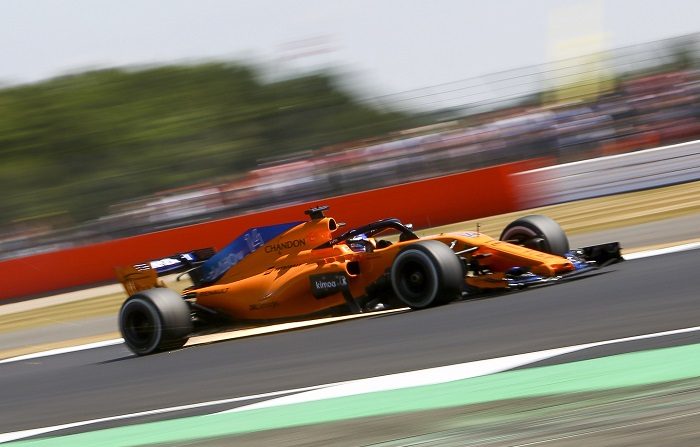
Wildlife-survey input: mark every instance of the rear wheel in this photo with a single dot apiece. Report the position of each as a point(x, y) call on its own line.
point(155, 320)
point(538, 233)
point(426, 274)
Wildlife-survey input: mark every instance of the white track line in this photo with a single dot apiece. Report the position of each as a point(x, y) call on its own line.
point(662, 251)
point(442, 374)
point(211, 338)
point(7, 437)
point(409, 379)
point(36, 355)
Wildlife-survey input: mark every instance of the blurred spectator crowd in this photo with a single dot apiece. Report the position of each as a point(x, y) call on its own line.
point(641, 113)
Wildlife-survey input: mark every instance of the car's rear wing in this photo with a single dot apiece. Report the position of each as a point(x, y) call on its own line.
point(145, 275)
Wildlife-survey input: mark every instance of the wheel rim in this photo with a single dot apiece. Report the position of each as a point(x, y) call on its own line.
point(413, 280)
point(525, 237)
point(139, 326)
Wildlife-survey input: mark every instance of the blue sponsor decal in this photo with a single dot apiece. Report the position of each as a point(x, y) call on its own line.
point(176, 263)
point(243, 245)
point(172, 264)
point(577, 261)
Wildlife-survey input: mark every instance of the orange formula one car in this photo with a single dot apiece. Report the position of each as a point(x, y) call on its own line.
point(301, 269)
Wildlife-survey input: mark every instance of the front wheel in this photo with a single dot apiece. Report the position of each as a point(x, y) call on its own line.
point(427, 273)
point(155, 320)
point(538, 233)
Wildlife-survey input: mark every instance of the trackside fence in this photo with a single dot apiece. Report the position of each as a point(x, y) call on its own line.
point(651, 168)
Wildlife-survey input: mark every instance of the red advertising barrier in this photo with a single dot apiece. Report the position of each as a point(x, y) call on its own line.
point(425, 203)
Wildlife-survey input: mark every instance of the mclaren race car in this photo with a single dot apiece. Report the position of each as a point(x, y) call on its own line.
point(302, 269)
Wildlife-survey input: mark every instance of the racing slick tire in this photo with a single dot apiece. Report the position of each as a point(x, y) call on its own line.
point(155, 320)
point(425, 274)
point(537, 232)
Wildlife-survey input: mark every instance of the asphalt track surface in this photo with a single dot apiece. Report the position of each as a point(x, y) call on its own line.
point(635, 297)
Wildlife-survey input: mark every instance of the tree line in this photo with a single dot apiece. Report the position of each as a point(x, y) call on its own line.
point(73, 145)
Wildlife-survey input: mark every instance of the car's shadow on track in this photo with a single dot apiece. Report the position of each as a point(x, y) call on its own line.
point(119, 359)
point(586, 275)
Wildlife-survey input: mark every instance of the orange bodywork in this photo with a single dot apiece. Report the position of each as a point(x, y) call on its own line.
point(137, 278)
point(274, 281)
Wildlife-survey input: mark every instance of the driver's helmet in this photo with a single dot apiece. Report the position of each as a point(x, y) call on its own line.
point(360, 243)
